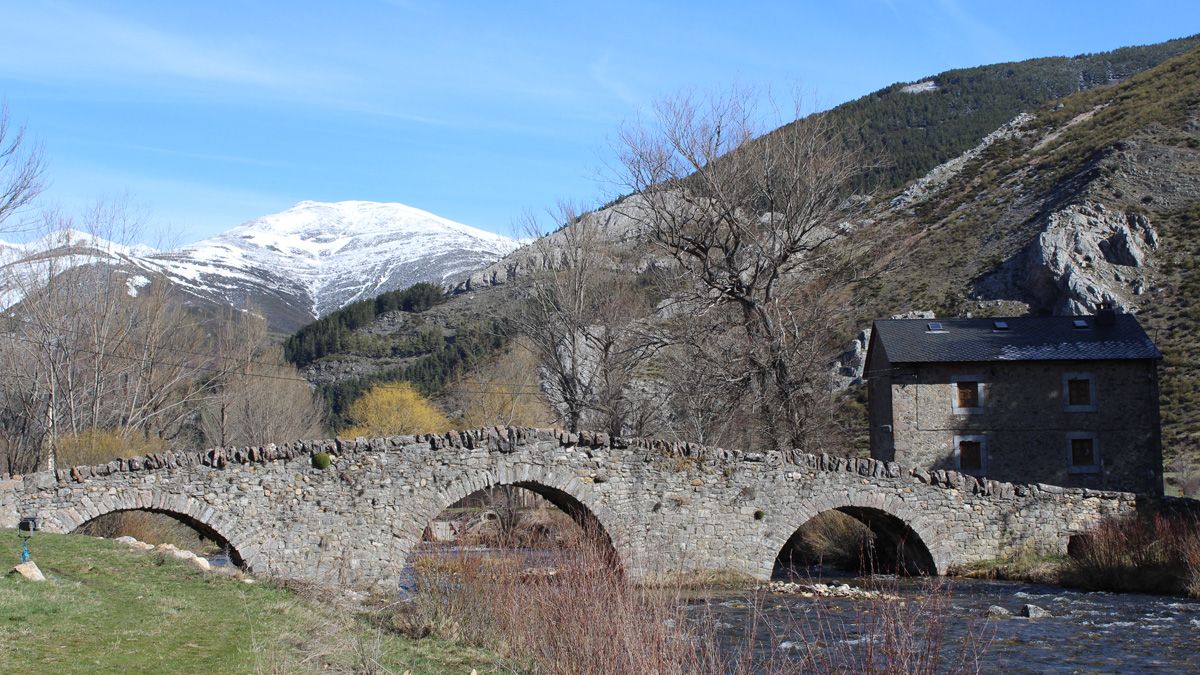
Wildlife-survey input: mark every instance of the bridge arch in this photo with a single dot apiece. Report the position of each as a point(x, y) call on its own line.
point(563, 489)
point(198, 515)
point(896, 525)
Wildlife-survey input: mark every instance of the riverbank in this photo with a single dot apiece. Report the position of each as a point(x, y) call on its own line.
point(1149, 555)
point(108, 608)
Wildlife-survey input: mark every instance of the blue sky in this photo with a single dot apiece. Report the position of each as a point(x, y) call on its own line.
point(209, 114)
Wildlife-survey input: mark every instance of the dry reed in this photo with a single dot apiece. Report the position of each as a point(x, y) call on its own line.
point(1160, 554)
point(587, 617)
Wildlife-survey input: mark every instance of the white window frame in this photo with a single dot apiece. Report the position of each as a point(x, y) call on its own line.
point(1066, 392)
point(983, 453)
point(1094, 467)
point(981, 394)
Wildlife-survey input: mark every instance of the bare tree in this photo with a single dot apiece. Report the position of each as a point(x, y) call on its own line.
point(260, 398)
point(22, 168)
point(578, 322)
point(751, 223)
point(92, 343)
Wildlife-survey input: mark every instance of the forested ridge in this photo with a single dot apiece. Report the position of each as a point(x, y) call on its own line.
point(334, 332)
point(910, 133)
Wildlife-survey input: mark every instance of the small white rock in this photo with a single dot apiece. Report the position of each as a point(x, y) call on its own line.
point(201, 563)
point(30, 571)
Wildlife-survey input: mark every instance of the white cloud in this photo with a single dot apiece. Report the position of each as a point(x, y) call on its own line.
point(66, 42)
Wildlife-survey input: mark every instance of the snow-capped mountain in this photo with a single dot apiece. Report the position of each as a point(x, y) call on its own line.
point(292, 266)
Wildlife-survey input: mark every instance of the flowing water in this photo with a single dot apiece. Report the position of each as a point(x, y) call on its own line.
point(1088, 632)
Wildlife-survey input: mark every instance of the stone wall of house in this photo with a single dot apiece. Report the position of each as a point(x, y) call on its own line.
point(1026, 423)
point(879, 410)
point(667, 508)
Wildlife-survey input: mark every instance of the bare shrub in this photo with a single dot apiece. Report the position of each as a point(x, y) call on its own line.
point(98, 446)
point(589, 618)
point(1148, 555)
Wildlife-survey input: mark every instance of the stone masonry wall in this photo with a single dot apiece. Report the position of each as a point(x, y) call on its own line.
point(1026, 424)
point(668, 508)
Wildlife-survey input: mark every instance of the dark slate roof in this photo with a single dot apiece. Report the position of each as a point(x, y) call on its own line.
point(1050, 338)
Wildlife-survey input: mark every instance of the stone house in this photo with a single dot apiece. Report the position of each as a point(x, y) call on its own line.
point(1061, 400)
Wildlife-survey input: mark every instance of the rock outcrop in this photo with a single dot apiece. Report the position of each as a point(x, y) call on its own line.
point(1086, 255)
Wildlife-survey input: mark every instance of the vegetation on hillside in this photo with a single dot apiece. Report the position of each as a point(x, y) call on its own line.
point(429, 373)
point(914, 132)
point(1129, 145)
point(334, 332)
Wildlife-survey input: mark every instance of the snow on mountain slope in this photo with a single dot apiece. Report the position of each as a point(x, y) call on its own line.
point(347, 251)
point(299, 264)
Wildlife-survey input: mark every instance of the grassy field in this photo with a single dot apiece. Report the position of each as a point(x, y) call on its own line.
point(106, 608)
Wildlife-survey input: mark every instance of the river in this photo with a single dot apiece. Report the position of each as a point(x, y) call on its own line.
point(1088, 632)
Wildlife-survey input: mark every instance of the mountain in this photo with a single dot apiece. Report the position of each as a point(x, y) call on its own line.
point(914, 126)
point(1040, 187)
point(293, 266)
point(1091, 198)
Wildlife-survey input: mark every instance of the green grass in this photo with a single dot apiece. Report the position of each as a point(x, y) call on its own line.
point(106, 608)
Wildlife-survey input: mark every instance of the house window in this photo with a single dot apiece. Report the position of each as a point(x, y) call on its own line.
point(1083, 452)
point(966, 394)
point(1079, 392)
point(971, 454)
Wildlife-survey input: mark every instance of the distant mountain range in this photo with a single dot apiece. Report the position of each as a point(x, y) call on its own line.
point(292, 266)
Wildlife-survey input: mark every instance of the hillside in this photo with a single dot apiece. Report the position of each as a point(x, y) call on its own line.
point(915, 126)
point(1094, 197)
point(1052, 206)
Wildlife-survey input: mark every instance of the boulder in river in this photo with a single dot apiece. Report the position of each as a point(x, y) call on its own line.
point(1035, 612)
point(998, 612)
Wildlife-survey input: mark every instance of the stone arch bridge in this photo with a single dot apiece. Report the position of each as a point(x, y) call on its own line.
point(667, 508)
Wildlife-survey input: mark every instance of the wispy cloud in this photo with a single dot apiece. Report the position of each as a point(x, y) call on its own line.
point(604, 73)
point(989, 43)
point(68, 42)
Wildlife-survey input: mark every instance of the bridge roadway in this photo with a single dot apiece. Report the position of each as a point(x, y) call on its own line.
point(666, 507)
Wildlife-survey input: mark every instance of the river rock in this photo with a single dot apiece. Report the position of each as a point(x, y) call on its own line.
point(1035, 612)
point(998, 612)
point(30, 571)
point(825, 591)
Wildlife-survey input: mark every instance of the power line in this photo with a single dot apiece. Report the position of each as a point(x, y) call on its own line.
point(156, 362)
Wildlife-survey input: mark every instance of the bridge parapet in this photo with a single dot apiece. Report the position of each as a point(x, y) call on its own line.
point(510, 439)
